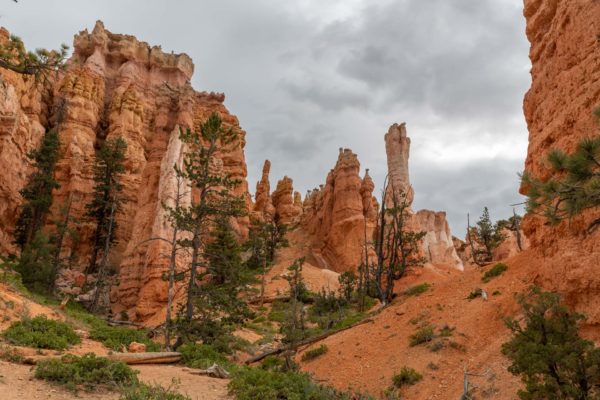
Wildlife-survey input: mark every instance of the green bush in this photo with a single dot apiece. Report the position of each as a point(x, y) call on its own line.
point(9, 274)
point(278, 311)
point(151, 392)
point(493, 272)
point(253, 384)
point(423, 335)
point(406, 377)
point(10, 354)
point(314, 353)
point(202, 356)
point(273, 363)
point(117, 337)
point(446, 331)
point(113, 337)
point(88, 371)
point(475, 293)
point(417, 289)
point(41, 333)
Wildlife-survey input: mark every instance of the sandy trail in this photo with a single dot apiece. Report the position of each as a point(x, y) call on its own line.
point(18, 383)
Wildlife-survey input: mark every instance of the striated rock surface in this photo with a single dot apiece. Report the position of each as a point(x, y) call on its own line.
point(285, 202)
point(397, 148)
point(341, 215)
point(115, 85)
point(565, 89)
point(513, 244)
point(437, 245)
point(22, 124)
point(263, 205)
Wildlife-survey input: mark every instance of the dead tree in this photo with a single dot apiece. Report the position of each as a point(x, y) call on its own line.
point(396, 246)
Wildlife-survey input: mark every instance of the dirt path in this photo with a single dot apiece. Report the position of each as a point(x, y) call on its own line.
point(17, 383)
point(194, 386)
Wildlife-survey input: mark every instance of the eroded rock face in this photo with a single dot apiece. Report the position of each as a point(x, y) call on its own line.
point(437, 245)
point(340, 215)
point(115, 85)
point(22, 119)
point(287, 209)
point(565, 89)
point(263, 204)
point(397, 148)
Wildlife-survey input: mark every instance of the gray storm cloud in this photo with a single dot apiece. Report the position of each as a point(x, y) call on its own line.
point(306, 78)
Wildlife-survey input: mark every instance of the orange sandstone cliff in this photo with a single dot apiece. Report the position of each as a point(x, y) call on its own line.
point(114, 85)
point(565, 57)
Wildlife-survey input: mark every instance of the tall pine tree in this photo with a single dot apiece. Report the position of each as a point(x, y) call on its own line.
point(212, 194)
point(107, 199)
point(37, 193)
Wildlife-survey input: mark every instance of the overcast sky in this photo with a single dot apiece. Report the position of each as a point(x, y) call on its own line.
point(306, 77)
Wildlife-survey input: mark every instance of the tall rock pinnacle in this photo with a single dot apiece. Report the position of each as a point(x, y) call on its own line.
point(397, 148)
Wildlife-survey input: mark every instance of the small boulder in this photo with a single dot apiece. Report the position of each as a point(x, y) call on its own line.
point(135, 347)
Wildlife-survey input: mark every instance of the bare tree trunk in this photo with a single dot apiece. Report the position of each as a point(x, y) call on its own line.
point(471, 241)
point(172, 264)
point(104, 263)
point(61, 236)
point(517, 228)
point(189, 308)
point(263, 281)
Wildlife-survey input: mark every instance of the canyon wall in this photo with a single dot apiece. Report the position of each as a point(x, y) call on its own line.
point(565, 56)
point(23, 116)
point(114, 86)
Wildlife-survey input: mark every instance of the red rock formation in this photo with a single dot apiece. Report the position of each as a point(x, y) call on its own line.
point(115, 85)
point(22, 119)
point(287, 210)
point(437, 245)
point(565, 89)
point(340, 215)
point(263, 205)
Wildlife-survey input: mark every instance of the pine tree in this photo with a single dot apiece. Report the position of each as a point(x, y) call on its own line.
point(554, 362)
point(37, 193)
point(14, 57)
point(488, 234)
point(106, 201)
point(347, 282)
point(294, 327)
point(212, 195)
point(574, 185)
point(217, 302)
point(264, 238)
point(108, 169)
point(35, 264)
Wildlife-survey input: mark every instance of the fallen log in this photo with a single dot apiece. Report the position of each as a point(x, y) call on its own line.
point(305, 342)
point(113, 322)
point(214, 371)
point(273, 299)
point(165, 357)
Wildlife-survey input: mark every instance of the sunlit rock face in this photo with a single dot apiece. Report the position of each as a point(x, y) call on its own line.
point(565, 89)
